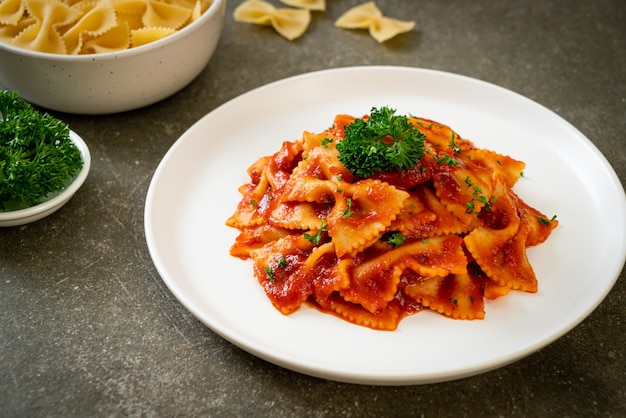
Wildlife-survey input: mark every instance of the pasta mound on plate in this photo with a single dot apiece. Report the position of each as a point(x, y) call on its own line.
point(442, 235)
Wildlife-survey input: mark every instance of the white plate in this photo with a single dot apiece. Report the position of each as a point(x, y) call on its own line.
point(194, 191)
point(56, 201)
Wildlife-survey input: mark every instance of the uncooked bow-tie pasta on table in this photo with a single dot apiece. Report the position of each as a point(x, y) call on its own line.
point(292, 22)
point(382, 216)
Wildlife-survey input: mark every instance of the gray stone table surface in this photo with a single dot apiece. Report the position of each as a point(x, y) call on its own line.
point(88, 328)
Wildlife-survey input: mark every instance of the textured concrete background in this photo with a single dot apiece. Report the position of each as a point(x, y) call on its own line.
point(88, 327)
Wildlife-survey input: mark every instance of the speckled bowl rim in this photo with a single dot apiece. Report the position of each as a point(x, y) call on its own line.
point(24, 216)
point(103, 56)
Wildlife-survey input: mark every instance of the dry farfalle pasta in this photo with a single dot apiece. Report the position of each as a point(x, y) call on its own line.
point(368, 16)
point(317, 5)
point(289, 23)
point(97, 19)
point(11, 11)
point(146, 35)
point(93, 26)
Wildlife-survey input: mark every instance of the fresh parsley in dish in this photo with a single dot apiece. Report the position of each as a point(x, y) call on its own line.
point(37, 156)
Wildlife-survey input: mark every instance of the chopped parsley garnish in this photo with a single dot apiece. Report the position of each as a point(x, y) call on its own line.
point(477, 192)
point(270, 273)
point(545, 221)
point(315, 239)
point(455, 147)
point(37, 156)
point(469, 208)
point(269, 270)
point(348, 212)
point(394, 239)
point(282, 263)
point(446, 159)
point(383, 142)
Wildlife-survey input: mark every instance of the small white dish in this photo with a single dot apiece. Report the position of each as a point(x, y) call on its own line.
point(34, 213)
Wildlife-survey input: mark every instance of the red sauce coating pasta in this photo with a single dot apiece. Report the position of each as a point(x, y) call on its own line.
point(443, 235)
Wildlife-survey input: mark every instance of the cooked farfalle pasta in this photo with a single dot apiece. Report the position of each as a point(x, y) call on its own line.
point(444, 235)
point(93, 26)
point(289, 23)
point(368, 16)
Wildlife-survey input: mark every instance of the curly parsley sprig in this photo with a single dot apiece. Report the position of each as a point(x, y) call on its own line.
point(37, 156)
point(383, 142)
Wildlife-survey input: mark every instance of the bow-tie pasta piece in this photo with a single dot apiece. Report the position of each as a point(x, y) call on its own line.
point(368, 16)
point(11, 11)
point(289, 23)
point(144, 36)
point(317, 5)
point(133, 21)
point(9, 32)
point(166, 15)
point(98, 18)
point(116, 39)
point(156, 13)
point(196, 11)
point(43, 34)
point(458, 296)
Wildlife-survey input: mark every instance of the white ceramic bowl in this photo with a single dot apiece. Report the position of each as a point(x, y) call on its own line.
point(114, 81)
point(34, 213)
